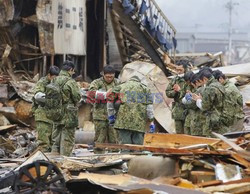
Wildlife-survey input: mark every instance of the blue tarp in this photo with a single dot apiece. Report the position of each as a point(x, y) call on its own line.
point(162, 40)
point(110, 2)
point(127, 6)
point(174, 42)
point(149, 25)
point(143, 7)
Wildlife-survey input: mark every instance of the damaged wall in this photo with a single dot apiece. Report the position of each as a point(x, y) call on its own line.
point(41, 35)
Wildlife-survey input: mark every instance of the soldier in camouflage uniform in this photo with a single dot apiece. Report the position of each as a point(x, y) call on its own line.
point(189, 89)
point(233, 115)
point(195, 116)
point(63, 135)
point(135, 109)
point(100, 87)
point(211, 104)
point(43, 124)
point(176, 89)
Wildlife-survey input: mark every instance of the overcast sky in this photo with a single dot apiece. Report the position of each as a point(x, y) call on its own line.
point(206, 15)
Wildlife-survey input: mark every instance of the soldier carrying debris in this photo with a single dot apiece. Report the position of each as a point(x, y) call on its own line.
point(44, 125)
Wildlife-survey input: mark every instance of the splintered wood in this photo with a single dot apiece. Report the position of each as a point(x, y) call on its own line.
point(181, 140)
point(213, 165)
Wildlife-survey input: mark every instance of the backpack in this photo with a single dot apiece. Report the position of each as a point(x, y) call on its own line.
point(54, 100)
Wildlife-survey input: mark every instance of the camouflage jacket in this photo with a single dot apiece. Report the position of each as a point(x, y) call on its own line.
point(132, 114)
point(233, 104)
point(70, 96)
point(213, 96)
point(190, 108)
point(212, 102)
point(38, 109)
point(100, 107)
point(198, 118)
point(70, 90)
point(178, 109)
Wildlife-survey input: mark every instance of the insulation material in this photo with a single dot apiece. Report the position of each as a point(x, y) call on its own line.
point(69, 19)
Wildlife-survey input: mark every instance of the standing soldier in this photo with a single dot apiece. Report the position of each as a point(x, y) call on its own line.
point(196, 117)
point(186, 101)
point(44, 125)
point(233, 115)
point(100, 87)
point(211, 104)
point(176, 89)
point(63, 135)
point(135, 109)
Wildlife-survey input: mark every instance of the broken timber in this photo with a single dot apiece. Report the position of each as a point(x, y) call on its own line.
point(158, 149)
point(180, 140)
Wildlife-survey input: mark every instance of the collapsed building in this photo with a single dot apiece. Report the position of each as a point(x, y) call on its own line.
point(37, 34)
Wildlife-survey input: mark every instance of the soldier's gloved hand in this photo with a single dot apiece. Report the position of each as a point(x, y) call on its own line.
point(111, 119)
point(152, 128)
point(101, 95)
point(84, 94)
point(188, 96)
point(39, 97)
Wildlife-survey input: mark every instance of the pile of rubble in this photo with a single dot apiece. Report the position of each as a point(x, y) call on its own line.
point(166, 162)
point(169, 163)
point(17, 137)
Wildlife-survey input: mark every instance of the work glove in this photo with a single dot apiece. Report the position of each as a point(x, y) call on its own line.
point(111, 119)
point(100, 95)
point(40, 97)
point(152, 128)
point(188, 96)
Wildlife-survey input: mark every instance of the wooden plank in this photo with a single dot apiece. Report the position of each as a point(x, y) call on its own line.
point(180, 140)
point(202, 176)
point(202, 173)
point(6, 127)
point(157, 149)
point(230, 143)
point(243, 153)
point(232, 188)
point(209, 183)
point(241, 160)
point(244, 180)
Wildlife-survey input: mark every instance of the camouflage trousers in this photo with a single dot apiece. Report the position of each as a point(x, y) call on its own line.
point(209, 127)
point(187, 123)
point(238, 125)
point(130, 137)
point(63, 140)
point(179, 126)
point(44, 131)
point(104, 133)
point(197, 123)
